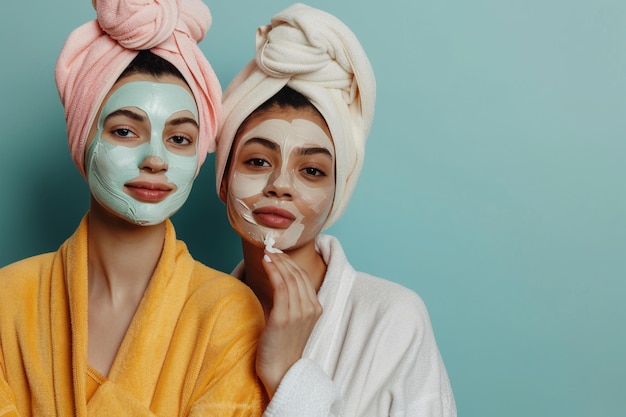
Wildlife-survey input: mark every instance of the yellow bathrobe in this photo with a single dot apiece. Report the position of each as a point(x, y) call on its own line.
point(189, 350)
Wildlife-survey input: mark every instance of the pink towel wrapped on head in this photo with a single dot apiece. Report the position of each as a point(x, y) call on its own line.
point(96, 53)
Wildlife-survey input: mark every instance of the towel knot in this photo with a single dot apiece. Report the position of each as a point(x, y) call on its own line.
point(97, 53)
point(317, 55)
point(141, 24)
point(307, 54)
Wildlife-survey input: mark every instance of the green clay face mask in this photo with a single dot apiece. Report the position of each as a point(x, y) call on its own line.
point(117, 174)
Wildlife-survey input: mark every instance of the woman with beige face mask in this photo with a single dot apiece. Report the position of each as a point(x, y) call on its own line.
point(337, 342)
point(121, 320)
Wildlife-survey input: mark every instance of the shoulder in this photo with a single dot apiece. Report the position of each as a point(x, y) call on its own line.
point(216, 284)
point(215, 293)
point(387, 294)
point(371, 295)
point(24, 286)
point(365, 303)
point(25, 273)
point(221, 314)
point(393, 307)
point(397, 324)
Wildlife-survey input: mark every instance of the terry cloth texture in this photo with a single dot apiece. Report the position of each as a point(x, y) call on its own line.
point(372, 353)
point(189, 351)
point(96, 53)
point(317, 55)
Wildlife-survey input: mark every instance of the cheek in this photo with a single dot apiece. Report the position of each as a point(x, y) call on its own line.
point(245, 186)
point(114, 162)
point(242, 187)
point(182, 169)
point(241, 191)
point(318, 201)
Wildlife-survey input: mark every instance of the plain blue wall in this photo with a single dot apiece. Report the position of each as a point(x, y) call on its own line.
point(493, 182)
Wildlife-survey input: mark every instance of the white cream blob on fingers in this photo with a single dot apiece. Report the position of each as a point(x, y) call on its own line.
point(149, 178)
point(281, 183)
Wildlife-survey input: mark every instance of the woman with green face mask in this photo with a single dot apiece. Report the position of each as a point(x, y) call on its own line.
point(121, 320)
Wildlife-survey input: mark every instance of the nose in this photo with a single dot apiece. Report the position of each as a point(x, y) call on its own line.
point(153, 163)
point(155, 160)
point(279, 184)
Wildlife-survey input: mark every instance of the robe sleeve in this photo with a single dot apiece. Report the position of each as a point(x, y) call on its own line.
point(305, 391)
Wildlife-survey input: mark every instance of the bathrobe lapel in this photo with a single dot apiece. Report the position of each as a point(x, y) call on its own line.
point(148, 338)
point(133, 376)
point(68, 304)
point(327, 337)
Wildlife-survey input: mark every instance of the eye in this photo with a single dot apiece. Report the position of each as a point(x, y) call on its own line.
point(313, 172)
point(180, 140)
point(123, 132)
point(258, 162)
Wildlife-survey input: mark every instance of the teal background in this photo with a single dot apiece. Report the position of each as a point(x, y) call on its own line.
point(493, 183)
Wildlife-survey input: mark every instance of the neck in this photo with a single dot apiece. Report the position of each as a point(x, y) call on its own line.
point(306, 257)
point(122, 256)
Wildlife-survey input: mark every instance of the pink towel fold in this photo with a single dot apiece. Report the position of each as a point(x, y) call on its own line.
point(96, 53)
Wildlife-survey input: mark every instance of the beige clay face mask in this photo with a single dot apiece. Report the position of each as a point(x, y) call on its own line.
point(277, 191)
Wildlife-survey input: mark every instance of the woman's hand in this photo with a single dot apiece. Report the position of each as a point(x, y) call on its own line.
point(289, 324)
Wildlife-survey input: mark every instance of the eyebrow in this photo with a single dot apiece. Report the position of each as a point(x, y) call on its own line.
point(302, 151)
point(182, 120)
point(263, 142)
point(128, 113)
point(314, 151)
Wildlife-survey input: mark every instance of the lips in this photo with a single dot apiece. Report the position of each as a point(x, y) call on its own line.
point(273, 217)
point(148, 192)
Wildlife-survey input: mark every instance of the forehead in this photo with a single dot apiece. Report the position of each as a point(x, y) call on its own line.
point(157, 100)
point(287, 114)
point(298, 137)
point(167, 81)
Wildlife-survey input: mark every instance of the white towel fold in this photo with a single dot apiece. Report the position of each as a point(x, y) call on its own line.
point(316, 54)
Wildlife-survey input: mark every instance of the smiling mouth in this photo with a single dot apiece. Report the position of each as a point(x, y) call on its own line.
point(274, 217)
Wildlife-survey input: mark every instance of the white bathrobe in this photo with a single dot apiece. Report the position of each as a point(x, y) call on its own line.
point(372, 352)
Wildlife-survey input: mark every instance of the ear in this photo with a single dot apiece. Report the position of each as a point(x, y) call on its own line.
point(223, 190)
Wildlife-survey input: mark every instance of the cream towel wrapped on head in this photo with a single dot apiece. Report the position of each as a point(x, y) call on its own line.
point(96, 53)
point(317, 55)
